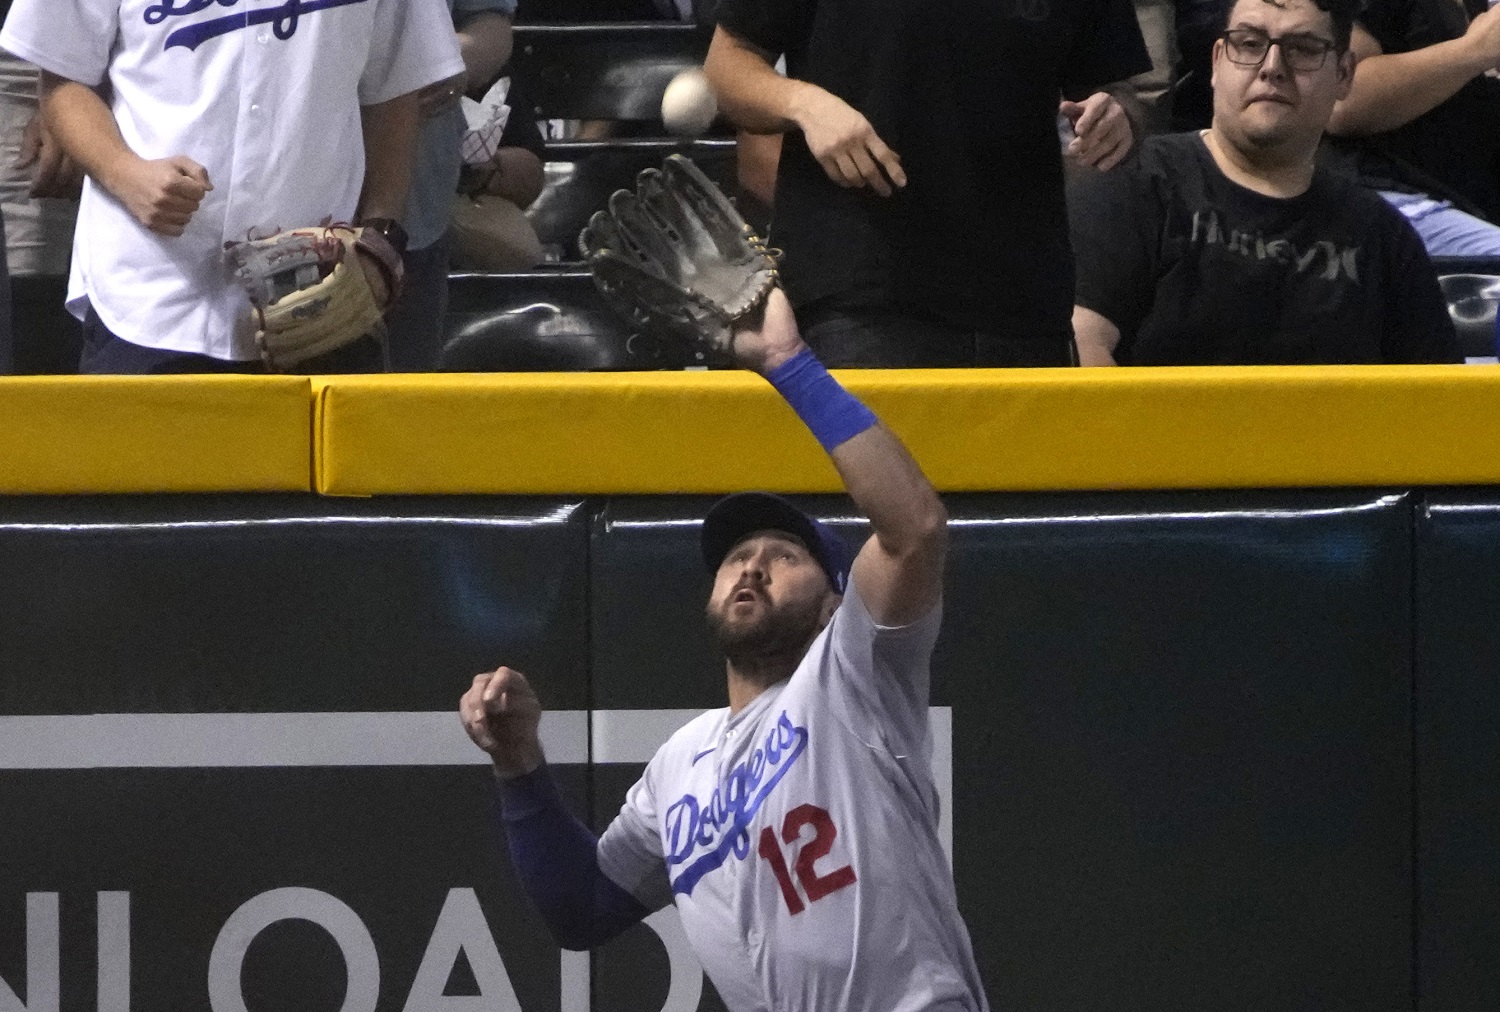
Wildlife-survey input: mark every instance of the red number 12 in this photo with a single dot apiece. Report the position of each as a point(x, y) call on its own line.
point(824, 832)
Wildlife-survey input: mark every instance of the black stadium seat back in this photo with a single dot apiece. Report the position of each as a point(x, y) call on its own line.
point(543, 321)
point(1471, 285)
point(582, 174)
point(603, 71)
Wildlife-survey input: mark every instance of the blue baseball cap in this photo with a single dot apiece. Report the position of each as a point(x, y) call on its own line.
point(735, 517)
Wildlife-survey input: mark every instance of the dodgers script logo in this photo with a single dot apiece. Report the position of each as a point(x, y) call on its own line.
point(702, 835)
point(282, 18)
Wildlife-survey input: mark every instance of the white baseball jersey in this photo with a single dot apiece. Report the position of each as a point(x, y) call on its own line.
point(799, 837)
point(265, 95)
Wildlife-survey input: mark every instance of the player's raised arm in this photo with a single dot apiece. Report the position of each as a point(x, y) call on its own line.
point(899, 572)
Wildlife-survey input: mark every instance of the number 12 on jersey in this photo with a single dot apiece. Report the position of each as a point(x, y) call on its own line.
point(824, 832)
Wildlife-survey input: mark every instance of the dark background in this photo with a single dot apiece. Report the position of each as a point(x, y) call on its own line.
point(1211, 750)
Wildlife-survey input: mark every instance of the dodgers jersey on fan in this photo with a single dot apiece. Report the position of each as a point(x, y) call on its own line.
point(265, 95)
point(798, 837)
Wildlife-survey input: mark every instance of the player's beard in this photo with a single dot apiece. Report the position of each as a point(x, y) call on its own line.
point(768, 646)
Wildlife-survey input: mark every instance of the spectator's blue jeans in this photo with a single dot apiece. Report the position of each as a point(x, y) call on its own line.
point(1445, 230)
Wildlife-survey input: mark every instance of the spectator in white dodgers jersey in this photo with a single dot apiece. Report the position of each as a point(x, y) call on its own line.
point(222, 120)
point(795, 830)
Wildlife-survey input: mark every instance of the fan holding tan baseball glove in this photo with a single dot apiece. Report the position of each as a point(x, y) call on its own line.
point(676, 257)
point(311, 291)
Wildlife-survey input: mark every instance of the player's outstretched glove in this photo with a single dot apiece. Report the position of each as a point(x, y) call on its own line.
point(676, 257)
point(309, 292)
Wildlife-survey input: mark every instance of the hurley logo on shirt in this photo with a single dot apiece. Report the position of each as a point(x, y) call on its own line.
point(283, 18)
point(1322, 259)
point(702, 835)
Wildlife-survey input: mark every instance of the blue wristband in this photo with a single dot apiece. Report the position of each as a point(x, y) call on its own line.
point(833, 414)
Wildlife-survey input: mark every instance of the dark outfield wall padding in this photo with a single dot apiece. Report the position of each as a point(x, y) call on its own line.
point(1182, 758)
point(1458, 752)
point(191, 847)
point(166, 604)
point(273, 605)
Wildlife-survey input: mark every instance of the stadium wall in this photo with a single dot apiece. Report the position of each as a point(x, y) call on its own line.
point(1216, 698)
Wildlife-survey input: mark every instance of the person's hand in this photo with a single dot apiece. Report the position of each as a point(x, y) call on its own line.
point(1102, 132)
point(53, 173)
point(162, 194)
point(501, 714)
point(1483, 36)
point(761, 344)
point(439, 97)
point(845, 143)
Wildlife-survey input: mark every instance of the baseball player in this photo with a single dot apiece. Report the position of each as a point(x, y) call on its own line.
point(796, 829)
point(203, 123)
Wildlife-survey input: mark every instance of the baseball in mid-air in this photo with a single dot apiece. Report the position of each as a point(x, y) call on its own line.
point(688, 106)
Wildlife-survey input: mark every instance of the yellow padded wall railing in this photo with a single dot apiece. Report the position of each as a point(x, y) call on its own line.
point(87, 435)
point(1000, 430)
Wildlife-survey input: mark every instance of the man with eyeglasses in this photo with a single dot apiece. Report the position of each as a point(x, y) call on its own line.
point(1422, 121)
point(1230, 246)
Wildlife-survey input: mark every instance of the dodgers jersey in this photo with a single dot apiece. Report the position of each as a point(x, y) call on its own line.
point(799, 837)
point(265, 95)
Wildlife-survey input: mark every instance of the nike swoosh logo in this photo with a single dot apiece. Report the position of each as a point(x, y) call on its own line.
point(700, 755)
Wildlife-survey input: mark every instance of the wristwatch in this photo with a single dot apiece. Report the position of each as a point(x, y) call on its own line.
point(390, 228)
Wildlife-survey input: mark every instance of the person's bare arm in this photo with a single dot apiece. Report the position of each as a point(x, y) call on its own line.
point(757, 99)
point(1095, 336)
point(1392, 89)
point(390, 132)
point(485, 40)
point(899, 572)
point(162, 194)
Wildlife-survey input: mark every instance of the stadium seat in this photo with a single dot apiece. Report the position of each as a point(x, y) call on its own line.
point(603, 71)
point(1470, 285)
point(1472, 302)
point(582, 174)
point(543, 321)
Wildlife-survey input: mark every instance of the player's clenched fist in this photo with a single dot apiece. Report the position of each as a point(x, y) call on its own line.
point(163, 194)
point(845, 143)
point(501, 713)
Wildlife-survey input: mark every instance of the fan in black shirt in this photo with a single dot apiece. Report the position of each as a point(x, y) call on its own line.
point(1231, 247)
point(937, 235)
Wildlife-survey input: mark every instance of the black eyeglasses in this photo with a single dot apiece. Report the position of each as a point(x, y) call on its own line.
point(1303, 53)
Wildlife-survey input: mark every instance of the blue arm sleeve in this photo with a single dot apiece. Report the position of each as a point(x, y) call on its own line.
point(557, 860)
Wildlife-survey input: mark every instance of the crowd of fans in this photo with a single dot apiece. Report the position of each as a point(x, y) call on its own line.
point(1025, 182)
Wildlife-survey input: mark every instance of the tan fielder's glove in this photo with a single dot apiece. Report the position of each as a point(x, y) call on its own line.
point(309, 291)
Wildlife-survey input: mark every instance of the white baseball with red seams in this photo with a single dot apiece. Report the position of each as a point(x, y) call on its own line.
point(799, 837)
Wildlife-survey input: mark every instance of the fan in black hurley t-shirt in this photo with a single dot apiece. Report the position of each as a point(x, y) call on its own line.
point(1231, 246)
